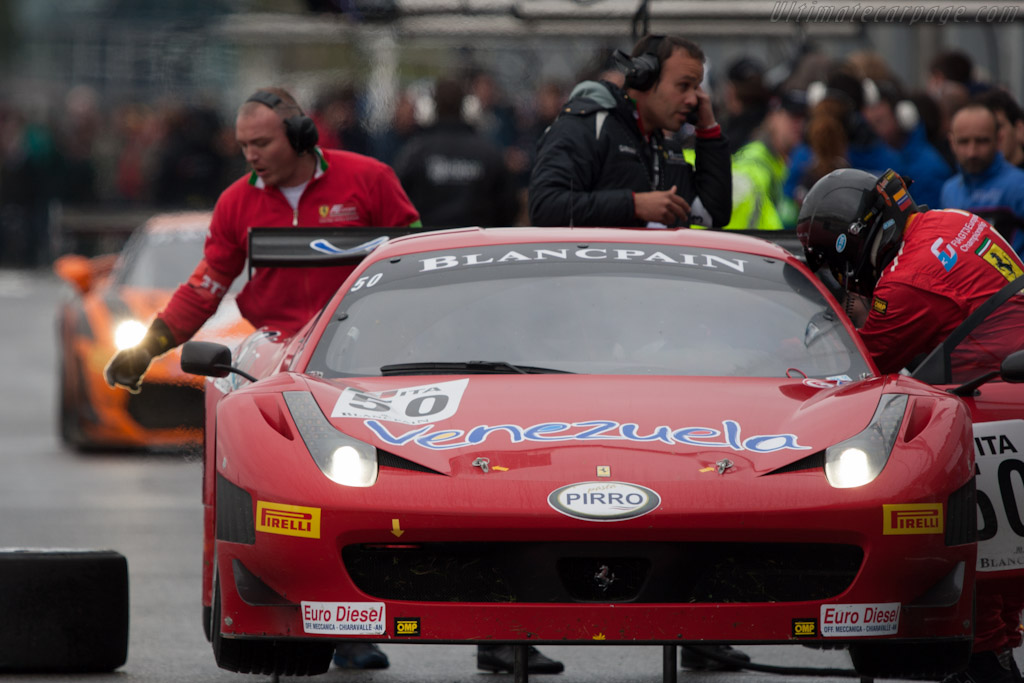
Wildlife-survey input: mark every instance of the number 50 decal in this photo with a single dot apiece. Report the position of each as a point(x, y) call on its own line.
point(999, 450)
point(408, 405)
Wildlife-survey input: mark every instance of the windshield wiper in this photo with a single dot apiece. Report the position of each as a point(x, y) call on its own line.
point(472, 367)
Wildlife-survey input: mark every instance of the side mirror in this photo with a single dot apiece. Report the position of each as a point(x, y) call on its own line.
point(1012, 368)
point(75, 270)
point(206, 358)
point(209, 359)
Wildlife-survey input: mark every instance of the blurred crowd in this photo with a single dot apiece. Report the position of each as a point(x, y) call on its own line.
point(785, 133)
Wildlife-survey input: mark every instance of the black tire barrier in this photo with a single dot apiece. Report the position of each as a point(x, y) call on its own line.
point(63, 610)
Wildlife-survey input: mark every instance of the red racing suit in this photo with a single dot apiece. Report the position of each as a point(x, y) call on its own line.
point(950, 262)
point(347, 190)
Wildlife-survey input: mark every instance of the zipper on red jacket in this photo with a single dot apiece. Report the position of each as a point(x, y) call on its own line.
point(295, 216)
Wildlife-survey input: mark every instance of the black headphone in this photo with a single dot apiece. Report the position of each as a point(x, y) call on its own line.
point(300, 129)
point(643, 70)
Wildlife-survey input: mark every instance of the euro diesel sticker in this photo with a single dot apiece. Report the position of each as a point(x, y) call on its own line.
point(912, 518)
point(409, 405)
point(603, 501)
point(287, 520)
point(343, 618)
point(999, 465)
point(853, 621)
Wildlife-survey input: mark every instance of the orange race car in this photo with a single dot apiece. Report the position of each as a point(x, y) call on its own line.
point(114, 298)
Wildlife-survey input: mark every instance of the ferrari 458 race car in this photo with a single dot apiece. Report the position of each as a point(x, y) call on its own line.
point(113, 299)
point(579, 436)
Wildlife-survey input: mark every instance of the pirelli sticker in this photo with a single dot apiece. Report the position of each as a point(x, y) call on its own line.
point(998, 259)
point(912, 518)
point(805, 628)
point(407, 627)
point(287, 520)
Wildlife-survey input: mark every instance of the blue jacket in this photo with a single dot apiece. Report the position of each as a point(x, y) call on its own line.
point(874, 157)
point(920, 161)
point(996, 194)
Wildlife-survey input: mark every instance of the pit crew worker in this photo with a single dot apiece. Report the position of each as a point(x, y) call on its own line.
point(293, 182)
point(925, 272)
point(605, 160)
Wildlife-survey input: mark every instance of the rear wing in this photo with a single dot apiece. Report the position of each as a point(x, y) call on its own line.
point(316, 247)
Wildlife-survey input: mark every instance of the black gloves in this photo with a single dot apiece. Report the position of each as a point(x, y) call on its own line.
point(128, 366)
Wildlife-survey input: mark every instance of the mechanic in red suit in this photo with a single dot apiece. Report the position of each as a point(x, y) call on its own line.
point(293, 183)
point(924, 272)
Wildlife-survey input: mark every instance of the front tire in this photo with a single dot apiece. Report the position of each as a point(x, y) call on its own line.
point(931, 661)
point(266, 657)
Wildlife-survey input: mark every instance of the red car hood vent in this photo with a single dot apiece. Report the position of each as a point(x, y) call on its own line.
point(448, 423)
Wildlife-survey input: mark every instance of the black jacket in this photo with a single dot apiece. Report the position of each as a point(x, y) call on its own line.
point(593, 158)
point(457, 177)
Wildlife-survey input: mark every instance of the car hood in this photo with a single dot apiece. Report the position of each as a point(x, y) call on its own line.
point(440, 421)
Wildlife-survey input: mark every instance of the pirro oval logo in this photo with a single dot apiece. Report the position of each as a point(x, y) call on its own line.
point(603, 501)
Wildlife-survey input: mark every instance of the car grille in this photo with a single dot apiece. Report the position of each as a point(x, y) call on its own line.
point(603, 572)
point(165, 406)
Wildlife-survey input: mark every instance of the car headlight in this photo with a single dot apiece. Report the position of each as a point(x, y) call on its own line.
point(342, 458)
point(128, 333)
point(859, 459)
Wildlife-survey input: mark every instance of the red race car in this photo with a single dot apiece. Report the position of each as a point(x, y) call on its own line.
point(578, 436)
point(111, 302)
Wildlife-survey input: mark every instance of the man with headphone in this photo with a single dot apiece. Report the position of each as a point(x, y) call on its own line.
point(605, 160)
point(293, 182)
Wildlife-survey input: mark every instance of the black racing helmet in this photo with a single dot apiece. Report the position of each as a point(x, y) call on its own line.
point(853, 221)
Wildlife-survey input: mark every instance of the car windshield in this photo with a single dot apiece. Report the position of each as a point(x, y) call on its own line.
point(596, 309)
point(163, 259)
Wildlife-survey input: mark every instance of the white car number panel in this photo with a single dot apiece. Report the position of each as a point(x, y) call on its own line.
point(999, 463)
point(409, 405)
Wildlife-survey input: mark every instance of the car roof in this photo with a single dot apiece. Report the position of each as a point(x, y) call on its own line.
point(180, 221)
point(481, 237)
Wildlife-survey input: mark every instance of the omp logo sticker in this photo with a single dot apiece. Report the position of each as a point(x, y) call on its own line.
point(407, 626)
point(343, 618)
point(287, 520)
point(603, 501)
point(730, 436)
point(410, 405)
point(805, 628)
point(853, 621)
point(912, 518)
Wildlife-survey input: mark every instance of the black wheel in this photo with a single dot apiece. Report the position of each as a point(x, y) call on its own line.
point(266, 657)
point(69, 418)
point(64, 610)
point(931, 661)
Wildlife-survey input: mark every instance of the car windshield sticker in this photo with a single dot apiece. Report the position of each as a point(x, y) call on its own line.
point(343, 618)
point(852, 621)
point(730, 436)
point(525, 254)
point(604, 501)
point(409, 405)
point(999, 464)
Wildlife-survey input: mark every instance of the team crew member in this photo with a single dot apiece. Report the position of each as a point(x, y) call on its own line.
point(925, 273)
point(605, 160)
point(293, 182)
